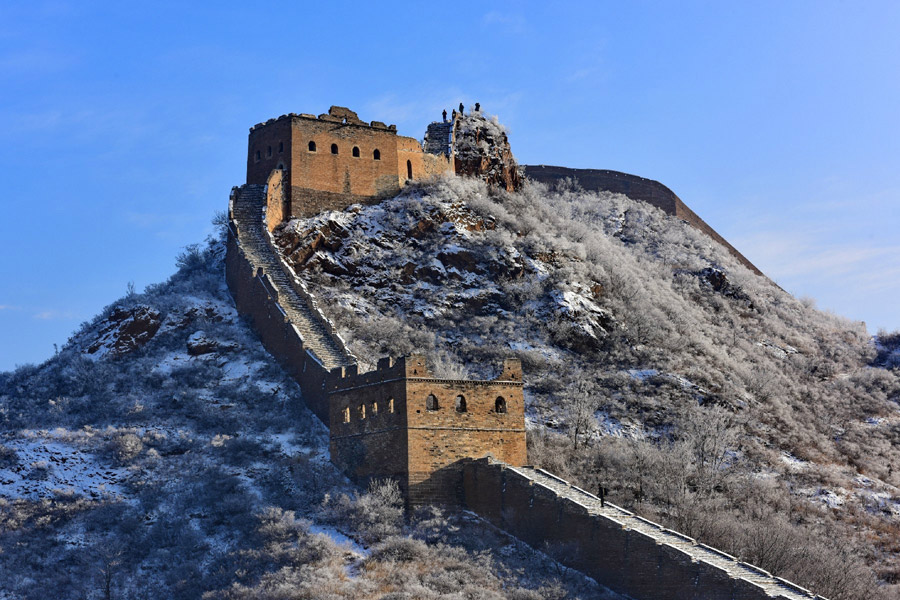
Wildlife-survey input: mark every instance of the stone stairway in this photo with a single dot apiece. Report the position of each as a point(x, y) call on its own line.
point(248, 216)
point(773, 586)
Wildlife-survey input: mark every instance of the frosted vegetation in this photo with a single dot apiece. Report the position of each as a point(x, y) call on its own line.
point(187, 467)
point(697, 393)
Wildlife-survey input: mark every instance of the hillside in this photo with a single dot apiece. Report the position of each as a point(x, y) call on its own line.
point(697, 392)
point(163, 454)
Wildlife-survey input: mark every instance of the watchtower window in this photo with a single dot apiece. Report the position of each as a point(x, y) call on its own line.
point(347, 415)
point(269, 152)
point(431, 402)
point(280, 166)
point(390, 405)
point(355, 151)
point(408, 170)
point(362, 411)
point(312, 146)
point(500, 405)
point(374, 409)
point(334, 149)
point(257, 155)
point(376, 154)
point(460, 403)
point(280, 147)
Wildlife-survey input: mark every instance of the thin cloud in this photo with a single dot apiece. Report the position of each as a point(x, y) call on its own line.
point(506, 22)
point(53, 315)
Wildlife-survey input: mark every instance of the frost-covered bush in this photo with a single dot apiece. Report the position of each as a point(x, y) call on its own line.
point(374, 515)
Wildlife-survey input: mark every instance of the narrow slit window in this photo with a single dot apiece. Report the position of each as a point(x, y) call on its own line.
point(376, 154)
point(374, 409)
point(390, 405)
point(355, 151)
point(431, 402)
point(334, 149)
point(312, 146)
point(461, 404)
point(362, 411)
point(280, 147)
point(347, 415)
point(257, 155)
point(408, 170)
point(269, 152)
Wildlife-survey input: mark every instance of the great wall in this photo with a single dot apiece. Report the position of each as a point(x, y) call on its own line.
point(454, 442)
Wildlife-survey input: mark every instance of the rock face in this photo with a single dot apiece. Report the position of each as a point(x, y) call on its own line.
point(481, 149)
point(127, 329)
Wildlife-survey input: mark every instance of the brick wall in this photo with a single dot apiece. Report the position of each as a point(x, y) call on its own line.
point(277, 207)
point(424, 449)
point(617, 556)
point(254, 299)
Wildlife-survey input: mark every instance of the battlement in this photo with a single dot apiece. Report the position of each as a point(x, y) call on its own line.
point(335, 114)
point(413, 366)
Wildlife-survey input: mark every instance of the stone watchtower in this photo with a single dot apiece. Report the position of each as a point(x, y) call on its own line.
point(402, 422)
point(335, 159)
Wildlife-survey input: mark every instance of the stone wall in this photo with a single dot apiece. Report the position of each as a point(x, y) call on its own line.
point(255, 298)
point(350, 160)
point(277, 205)
point(383, 425)
point(629, 555)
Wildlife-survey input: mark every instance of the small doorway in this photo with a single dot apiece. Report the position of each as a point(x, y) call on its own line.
point(408, 170)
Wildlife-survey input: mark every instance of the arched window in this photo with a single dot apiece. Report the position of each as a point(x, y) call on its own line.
point(431, 402)
point(280, 147)
point(269, 152)
point(408, 170)
point(460, 403)
point(347, 415)
point(355, 151)
point(334, 149)
point(280, 166)
point(312, 146)
point(376, 154)
point(500, 405)
point(362, 411)
point(390, 405)
point(374, 409)
point(257, 155)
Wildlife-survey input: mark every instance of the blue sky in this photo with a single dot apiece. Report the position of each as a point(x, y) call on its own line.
point(123, 125)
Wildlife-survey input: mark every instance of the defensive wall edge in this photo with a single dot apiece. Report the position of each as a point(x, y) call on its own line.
point(652, 563)
point(636, 188)
point(255, 297)
point(275, 197)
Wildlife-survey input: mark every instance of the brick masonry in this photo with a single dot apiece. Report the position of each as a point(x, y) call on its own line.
point(400, 421)
point(335, 159)
point(382, 424)
point(628, 554)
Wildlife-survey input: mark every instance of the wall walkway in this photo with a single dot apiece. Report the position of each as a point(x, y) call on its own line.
point(622, 551)
point(284, 313)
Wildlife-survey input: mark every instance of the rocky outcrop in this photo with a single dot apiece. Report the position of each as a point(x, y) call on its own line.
point(125, 330)
point(481, 149)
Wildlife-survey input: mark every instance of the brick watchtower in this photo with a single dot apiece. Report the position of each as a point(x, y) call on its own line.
point(400, 421)
point(335, 159)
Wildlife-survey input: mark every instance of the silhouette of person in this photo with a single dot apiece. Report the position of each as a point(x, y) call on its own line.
point(461, 108)
point(445, 115)
point(477, 106)
point(601, 493)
